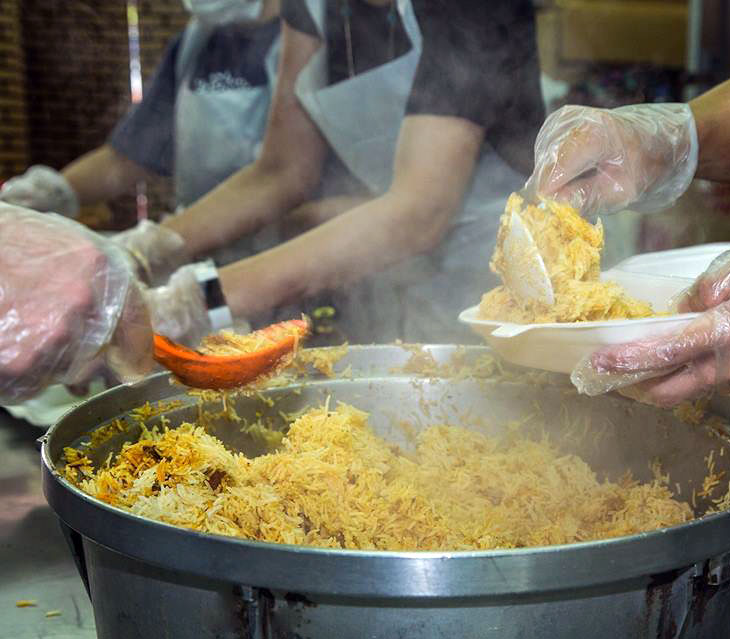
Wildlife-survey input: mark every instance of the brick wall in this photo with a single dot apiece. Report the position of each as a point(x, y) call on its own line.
point(76, 75)
point(159, 21)
point(64, 79)
point(13, 118)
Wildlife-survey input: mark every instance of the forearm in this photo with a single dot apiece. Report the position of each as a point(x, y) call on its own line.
point(712, 116)
point(362, 241)
point(434, 162)
point(249, 199)
point(284, 175)
point(103, 174)
point(313, 213)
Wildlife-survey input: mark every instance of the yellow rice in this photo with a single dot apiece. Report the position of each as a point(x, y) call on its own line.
point(571, 250)
point(334, 483)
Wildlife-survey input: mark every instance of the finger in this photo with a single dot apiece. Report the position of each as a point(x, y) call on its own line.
point(713, 287)
point(129, 354)
point(707, 292)
point(87, 373)
point(580, 150)
point(18, 199)
point(603, 190)
point(689, 301)
point(110, 379)
point(690, 382)
point(591, 195)
point(699, 298)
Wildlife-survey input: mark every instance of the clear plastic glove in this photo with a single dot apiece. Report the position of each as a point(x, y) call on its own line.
point(67, 296)
point(157, 250)
point(178, 309)
point(664, 371)
point(70, 304)
point(41, 188)
point(641, 157)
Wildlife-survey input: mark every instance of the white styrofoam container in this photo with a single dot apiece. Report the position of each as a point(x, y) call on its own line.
point(559, 347)
point(687, 262)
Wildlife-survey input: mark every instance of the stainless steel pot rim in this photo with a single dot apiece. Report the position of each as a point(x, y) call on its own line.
point(361, 554)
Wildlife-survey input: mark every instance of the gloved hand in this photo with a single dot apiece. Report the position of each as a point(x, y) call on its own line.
point(62, 291)
point(157, 250)
point(664, 371)
point(41, 188)
point(69, 300)
point(667, 370)
point(641, 157)
point(178, 308)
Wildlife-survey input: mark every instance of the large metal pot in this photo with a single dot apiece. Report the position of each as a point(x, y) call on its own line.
point(147, 579)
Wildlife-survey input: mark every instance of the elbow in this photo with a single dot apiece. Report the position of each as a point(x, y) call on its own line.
point(296, 179)
point(428, 224)
point(303, 182)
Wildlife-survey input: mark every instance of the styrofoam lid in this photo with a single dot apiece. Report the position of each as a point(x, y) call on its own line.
point(689, 262)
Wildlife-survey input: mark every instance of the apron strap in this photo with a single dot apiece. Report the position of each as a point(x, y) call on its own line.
point(193, 39)
point(317, 10)
point(271, 62)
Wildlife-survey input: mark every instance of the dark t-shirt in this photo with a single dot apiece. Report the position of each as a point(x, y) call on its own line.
point(479, 61)
point(233, 56)
point(377, 34)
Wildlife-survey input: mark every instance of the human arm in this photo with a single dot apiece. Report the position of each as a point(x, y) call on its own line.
point(311, 214)
point(711, 111)
point(103, 174)
point(97, 176)
point(480, 62)
point(434, 161)
point(283, 176)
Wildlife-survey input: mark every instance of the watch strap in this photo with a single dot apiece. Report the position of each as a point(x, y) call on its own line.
point(219, 314)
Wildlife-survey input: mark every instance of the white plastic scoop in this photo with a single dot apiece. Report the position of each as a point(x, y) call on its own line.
point(524, 269)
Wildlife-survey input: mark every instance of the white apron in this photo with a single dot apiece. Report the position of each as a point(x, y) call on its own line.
point(419, 299)
point(217, 133)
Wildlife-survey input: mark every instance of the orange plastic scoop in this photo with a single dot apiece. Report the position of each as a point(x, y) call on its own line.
point(227, 360)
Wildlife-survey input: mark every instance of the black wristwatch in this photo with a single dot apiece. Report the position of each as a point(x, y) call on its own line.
point(207, 276)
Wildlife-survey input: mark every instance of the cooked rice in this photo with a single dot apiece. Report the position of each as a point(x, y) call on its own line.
point(571, 250)
point(227, 342)
point(322, 360)
point(334, 483)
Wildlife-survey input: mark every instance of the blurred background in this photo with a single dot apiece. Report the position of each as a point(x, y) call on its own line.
point(70, 68)
point(607, 53)
point(67, 68)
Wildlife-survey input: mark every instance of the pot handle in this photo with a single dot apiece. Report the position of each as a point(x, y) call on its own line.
point(76, 545)
point(255, 609)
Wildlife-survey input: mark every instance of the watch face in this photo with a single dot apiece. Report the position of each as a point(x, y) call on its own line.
point(213, 292)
